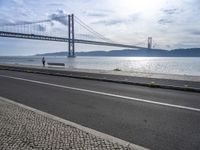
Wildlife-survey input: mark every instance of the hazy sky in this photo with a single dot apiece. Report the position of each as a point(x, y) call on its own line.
point(171, 23)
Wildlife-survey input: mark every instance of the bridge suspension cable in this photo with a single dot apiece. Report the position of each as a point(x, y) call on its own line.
point(91, 30)
point(34, 22)
point(40, 27)
point(30, 27)
point(58, 29)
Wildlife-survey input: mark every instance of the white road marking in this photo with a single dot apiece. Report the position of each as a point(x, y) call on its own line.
point(105, 94)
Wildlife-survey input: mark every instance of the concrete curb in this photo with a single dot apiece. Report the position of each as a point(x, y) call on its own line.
point(57, 73)
point(112, 139)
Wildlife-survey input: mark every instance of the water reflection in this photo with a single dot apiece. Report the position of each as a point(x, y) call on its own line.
point(180, 65)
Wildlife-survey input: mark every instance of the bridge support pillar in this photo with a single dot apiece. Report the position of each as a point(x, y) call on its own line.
point(71, 45)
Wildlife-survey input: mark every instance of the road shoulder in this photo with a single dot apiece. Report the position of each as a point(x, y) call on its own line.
point(23, 127)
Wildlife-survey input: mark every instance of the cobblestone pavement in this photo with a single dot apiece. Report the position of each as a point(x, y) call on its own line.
point(23, 129)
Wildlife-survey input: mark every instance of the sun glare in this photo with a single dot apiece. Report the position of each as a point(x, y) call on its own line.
point(138, 5)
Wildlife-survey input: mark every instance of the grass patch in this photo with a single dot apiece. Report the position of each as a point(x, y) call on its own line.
point(117, 69)
point(153, 85)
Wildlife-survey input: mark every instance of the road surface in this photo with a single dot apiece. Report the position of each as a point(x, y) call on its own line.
point(150, 117)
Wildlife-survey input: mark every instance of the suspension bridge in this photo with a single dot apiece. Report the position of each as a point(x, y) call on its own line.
point(69, 29)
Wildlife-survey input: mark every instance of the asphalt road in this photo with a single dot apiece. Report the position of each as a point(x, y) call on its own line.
point(154, 118)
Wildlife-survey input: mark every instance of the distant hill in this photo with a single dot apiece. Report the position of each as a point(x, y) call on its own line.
point(193, 52)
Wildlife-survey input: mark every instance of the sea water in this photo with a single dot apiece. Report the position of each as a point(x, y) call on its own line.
point(166, 65)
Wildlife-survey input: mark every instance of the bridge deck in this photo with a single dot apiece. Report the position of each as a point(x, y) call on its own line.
point(62, 39)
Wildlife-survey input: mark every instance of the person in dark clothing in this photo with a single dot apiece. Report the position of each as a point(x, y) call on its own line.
point(43, 61)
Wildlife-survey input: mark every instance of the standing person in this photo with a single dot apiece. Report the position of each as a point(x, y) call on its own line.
point(43, 61)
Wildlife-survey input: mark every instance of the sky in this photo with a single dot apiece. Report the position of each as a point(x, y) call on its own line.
point(171, 23)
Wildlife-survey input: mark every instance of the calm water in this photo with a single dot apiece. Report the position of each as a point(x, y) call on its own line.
point(182, 65)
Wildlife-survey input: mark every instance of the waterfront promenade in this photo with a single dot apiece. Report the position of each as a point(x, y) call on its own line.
point(152, 117)
point(166, 81)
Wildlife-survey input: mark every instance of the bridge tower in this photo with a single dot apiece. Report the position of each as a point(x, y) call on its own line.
point(71, 46)
point(149, 42)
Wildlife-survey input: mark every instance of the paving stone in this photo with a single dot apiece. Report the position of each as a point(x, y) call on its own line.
point(22, 129)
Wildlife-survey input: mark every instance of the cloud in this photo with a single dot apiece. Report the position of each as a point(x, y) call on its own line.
point(100, 13)
point(97, 14)
point(130, 19)
point(18, 2)
point(165, 21)
point(169, 15)
point(13, 10)
point(56, 5)
point(194, 31)
point(59, 16)
point(170, 11)
point(109, 22)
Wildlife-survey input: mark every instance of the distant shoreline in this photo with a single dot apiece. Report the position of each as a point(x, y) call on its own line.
point(193, 52)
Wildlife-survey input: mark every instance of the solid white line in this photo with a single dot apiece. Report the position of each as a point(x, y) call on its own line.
point(105, 94)
point(78, 126)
